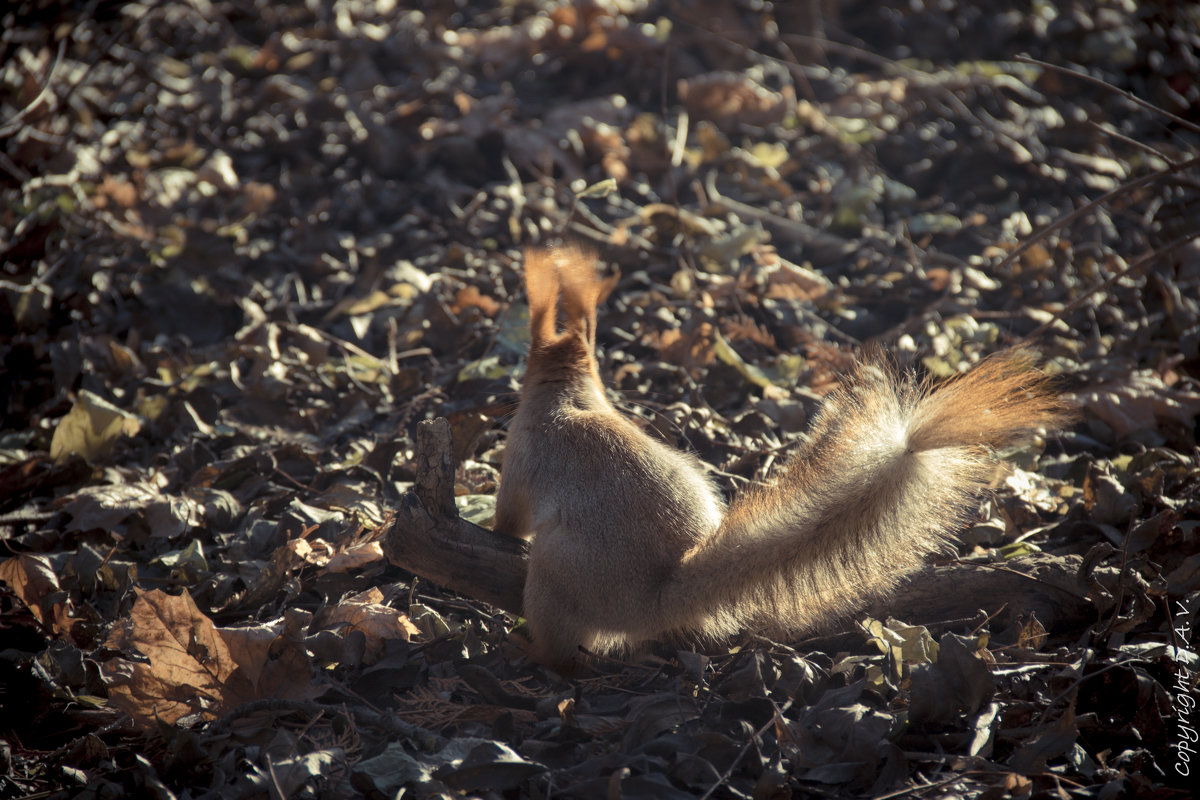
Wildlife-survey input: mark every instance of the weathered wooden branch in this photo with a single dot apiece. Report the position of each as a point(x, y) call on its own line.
point(1042, 584)
point(427, 537)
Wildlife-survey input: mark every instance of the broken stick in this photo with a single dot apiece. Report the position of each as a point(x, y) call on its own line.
point(429, 538)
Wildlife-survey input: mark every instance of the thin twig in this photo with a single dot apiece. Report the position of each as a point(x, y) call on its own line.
point(13, 124)
point(1191, 126)
point(1087, 208)
point(922, 788)
point(1116, 276)
point(745, 749)
point(1074, 687)
point(1129, 140)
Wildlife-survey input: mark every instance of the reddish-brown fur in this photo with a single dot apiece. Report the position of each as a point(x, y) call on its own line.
point(631, 540)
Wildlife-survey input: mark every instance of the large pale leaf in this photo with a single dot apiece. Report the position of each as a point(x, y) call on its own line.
point(91, 429)
point(186, 666)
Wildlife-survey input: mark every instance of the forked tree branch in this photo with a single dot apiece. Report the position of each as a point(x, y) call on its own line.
point(429, 538)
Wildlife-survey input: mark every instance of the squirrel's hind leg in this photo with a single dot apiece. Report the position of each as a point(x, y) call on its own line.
point(557, 623)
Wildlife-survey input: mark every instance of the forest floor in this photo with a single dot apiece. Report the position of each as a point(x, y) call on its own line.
point(246, 247)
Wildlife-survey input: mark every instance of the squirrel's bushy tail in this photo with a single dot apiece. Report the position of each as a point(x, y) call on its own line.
point(889, 471)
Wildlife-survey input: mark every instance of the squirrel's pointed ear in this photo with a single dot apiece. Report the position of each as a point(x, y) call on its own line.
point(579, 287)
point(541, 290)
point(607, 285)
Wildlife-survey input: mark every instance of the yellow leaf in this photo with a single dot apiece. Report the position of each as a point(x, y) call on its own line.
point(91, 429)
point(728, 355)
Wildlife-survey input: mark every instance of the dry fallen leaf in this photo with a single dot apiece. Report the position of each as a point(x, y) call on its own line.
point(366, 612)
point(793, 282)
point(1140, 403)
point(269, 664)
point(91, 429)
point(728, 98)
point(191, 666)
point(32, 578)
point(470, 297)
point(354, 557)
point(298, 552)
point(187, 663)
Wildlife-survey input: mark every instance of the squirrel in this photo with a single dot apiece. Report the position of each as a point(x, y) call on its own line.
point(631, 541)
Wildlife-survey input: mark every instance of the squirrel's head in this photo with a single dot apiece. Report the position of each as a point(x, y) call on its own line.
point(562, 279)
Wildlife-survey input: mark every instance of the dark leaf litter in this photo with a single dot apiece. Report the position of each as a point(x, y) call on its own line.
point(248, 246)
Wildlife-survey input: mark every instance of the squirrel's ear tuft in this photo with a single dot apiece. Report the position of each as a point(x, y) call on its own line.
point(580, 285)
point(541, 289)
